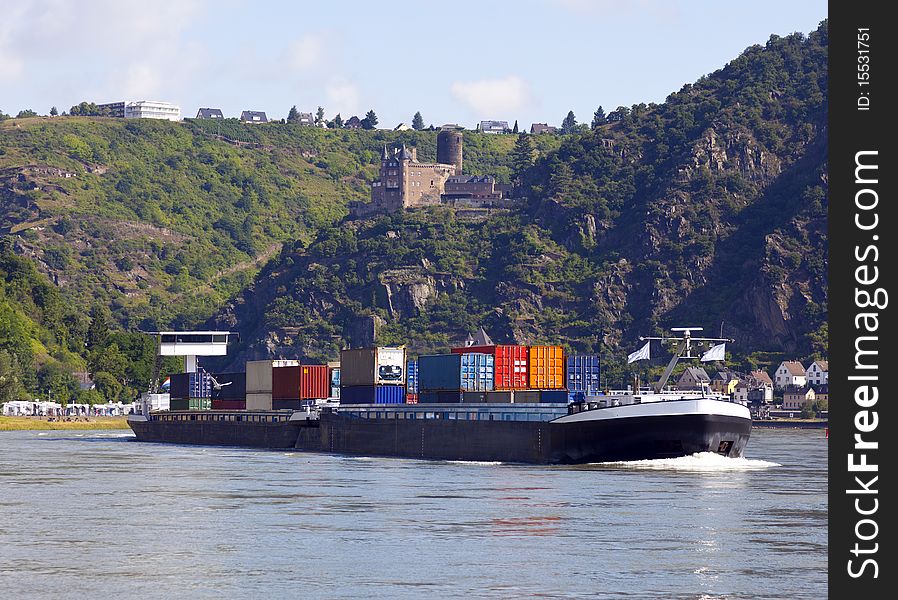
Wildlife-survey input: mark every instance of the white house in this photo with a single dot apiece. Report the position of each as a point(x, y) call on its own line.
point(693, 378)
point(151, 109)
point(790, 372)
point(818, 372)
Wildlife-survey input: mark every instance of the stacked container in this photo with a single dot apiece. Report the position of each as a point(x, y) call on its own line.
point(582, 376)
point(314, 382)
point(230, 394)
point(546, 368)
point(270, 380)
point(510, 365)
point(334, 368)
point(190, 391)
point(471, 372)
point(373, 375)
point(411, 376)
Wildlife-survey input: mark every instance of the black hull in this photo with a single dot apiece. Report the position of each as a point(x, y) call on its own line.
point(588, 441)
point(220, 433)
point(636, 438)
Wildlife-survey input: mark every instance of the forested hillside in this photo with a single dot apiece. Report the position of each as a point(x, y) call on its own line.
point(707, 209)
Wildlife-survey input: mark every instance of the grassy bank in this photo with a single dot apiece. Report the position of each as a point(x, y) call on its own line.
point(41, 423)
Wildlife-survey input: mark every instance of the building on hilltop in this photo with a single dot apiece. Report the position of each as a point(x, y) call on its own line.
point(209, 113)
point(307, 119)
point(406, 183)
point(537, 128)
point(253, 116)
point(353, 122)
point(142, 109)
point(494, 126)
point(450, 147)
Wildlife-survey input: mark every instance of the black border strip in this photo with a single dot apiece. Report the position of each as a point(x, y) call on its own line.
point(861, 120)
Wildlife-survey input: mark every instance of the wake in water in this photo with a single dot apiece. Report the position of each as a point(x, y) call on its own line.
point(701, 461)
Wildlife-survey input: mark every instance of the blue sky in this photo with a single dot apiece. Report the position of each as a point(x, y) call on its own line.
point(458, 62)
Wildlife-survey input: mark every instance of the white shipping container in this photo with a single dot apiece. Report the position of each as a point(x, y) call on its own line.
point(373, 366)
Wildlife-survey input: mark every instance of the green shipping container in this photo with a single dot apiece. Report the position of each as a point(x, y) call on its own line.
point(190, 404)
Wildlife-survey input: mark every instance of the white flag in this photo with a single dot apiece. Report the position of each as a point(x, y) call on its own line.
point(717, 352)
point(641, 354)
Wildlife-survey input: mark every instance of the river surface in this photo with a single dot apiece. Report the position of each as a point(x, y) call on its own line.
point(100, 515)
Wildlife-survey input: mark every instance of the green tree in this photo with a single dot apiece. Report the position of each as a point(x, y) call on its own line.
point(293, 115)
point(10, 377)
point(3, 116)
point(515, 128)
point(522, 155)
point(338, 121)
point(370, 120)
point(599, 118)
point(418, 121)
point(110, 360)
point(58, 381)
point(98, 330)
point(319, 116)
point(807, 411)
point(569, 125)
point(108, 386)
point(26, 113)
point(53, 111)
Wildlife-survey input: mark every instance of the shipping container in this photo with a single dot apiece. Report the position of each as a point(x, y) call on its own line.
point(510, 371)
point(474, 397)
point(411, 398)
point(258, 400)
point(373, 366)
point(228, 404)
point(472, 372)
point(231, 386)
point(411, 376)
point(583, 373)
point(527, 396)
point(372, 394)
point(553, 396)
point(285, 382)
point(190, 385)
point(283, 404)
point(547, 367)
point(260, 376)
point(190, 404)
point(498, 397)
point(439, 397)
point(335, 380)
point(314, 382)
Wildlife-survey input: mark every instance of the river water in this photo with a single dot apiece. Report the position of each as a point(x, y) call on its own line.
point(100, 515)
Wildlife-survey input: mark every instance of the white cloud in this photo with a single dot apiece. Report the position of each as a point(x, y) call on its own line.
point(342, 97)
point(307, 52)
point(493, 98)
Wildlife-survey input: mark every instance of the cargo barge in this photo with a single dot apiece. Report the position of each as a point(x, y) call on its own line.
point(515, 425)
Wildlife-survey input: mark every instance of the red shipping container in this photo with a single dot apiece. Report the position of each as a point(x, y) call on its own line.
point(285, 383)
point(229, 405)
point(511, 365)
point(314, 382)
point(411, 398)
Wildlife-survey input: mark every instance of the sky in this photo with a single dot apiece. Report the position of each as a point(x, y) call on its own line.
point(455, 62)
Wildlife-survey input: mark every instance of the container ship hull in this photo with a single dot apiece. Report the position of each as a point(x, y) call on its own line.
point(218, 428)
point(638, 432)
point(625, 433)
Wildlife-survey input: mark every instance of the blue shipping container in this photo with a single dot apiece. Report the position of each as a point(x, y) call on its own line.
point(583, 373)
point(440, 397)
point(372, 394)
point(471, 372)
point(411, 376)
point(555, 396)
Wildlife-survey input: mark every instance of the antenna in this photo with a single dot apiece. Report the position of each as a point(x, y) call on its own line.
point(683, 350)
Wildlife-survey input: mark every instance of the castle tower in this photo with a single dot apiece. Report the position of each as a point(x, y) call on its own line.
point(449, 148)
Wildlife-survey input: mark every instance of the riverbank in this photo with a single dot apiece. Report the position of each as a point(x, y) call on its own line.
point(41, 423)
point(790, 423)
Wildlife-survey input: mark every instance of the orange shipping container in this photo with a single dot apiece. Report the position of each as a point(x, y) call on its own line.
point(546, 367)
